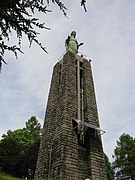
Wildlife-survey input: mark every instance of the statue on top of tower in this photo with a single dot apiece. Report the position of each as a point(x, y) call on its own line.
point(72, 44)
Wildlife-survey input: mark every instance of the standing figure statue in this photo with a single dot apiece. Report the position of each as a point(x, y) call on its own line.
point(72, 44)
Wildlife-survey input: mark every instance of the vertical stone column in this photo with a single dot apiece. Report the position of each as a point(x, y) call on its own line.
point(96, 156)
point(50, 122)
point(68, 101)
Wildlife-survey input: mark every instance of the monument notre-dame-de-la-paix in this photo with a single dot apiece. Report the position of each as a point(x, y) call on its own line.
point(71, 146)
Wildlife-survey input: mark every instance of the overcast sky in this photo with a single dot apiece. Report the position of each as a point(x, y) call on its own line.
point(108, 33)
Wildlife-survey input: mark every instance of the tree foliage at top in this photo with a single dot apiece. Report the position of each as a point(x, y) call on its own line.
point(18, 16)
point(26, 136)
point(124, 157)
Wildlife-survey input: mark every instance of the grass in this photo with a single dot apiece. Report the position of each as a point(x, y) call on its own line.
point(4, 176)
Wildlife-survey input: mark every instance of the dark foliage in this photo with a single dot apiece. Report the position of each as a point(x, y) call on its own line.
point(124, 157)
point(9, 150)
point(19, 150)
point(109, 168)
point(17, 16)
point(26, 164)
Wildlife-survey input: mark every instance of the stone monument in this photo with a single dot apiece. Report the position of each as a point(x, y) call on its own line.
point(71, 145)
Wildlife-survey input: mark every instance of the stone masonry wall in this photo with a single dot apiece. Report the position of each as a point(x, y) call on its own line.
point(61, 156)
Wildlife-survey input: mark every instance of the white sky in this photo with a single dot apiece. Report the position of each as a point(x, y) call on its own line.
point(108, 33)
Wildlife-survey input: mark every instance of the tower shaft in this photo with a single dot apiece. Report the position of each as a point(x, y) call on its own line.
point(71, 147)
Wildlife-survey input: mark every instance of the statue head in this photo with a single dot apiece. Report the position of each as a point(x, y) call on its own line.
point(73, 33)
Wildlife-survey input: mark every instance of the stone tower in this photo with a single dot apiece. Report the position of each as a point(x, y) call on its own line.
point(71, 147)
